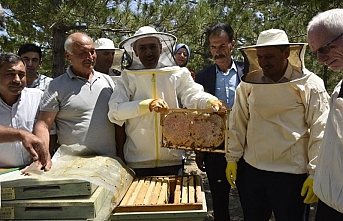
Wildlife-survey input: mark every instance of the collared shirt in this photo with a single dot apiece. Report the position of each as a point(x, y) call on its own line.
point(21, 115)
point(291, 73)
point(226, 84)
point(41, 82)
point(327, 184)
point(82, 108)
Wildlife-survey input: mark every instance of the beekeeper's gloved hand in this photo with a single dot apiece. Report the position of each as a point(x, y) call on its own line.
point(231, 173)
point(159, 106)
point(308, 190)
point(216, 105)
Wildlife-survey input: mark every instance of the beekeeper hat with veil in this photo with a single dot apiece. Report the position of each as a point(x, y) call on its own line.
point(167, 40)
point(273, 37)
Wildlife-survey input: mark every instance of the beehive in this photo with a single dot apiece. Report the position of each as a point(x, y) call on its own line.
point(162, 194)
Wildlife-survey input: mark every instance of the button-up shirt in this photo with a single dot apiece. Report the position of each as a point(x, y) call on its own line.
point(21, 115)
point(226, 84)
point(40, 83)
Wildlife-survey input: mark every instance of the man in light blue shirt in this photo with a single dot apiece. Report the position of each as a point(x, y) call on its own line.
point(226, 84)
point(221, 80)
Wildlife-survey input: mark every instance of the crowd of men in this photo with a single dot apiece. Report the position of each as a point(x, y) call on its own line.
point(285, 145)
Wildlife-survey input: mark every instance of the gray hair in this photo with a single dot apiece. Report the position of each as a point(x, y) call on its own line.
point(331, 20)
point(10, 58)
point(68, 44)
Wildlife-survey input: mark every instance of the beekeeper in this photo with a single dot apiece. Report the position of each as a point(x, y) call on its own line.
point(276, 127)
point(150, 84)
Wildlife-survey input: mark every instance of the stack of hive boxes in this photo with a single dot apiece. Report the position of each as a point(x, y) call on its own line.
point(35, 198)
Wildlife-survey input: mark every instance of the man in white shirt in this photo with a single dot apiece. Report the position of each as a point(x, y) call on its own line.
point(325, 39)
point(19, 107)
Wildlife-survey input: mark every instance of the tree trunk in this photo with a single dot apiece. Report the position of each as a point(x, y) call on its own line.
point(58, 57)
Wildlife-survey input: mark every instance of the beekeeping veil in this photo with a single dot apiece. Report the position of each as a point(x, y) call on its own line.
point(167, 41)
point(274, 37)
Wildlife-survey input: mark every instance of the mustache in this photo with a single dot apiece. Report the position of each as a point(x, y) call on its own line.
point(90, 62)
point(219, 56)
point(16, 84)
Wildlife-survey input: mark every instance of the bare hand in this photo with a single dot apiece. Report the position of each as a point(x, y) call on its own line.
point(159, 106)
point(36, 148)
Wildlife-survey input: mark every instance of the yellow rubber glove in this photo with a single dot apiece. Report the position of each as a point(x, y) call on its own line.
point(308, 188)
point(231, 173)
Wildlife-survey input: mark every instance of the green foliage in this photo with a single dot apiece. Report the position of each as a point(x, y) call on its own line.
point(48, 22)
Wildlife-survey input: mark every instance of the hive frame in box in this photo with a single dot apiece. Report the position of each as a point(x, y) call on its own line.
point(225, 118)
point(185, 203)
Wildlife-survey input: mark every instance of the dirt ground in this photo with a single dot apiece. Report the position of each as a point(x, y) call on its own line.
point(235, 207)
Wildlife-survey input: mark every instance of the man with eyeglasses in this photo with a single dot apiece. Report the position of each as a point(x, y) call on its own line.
point(324, 36)
point(32, 56)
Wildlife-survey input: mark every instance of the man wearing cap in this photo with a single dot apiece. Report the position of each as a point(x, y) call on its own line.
point(78, 102)
point(105, 52)
point(276, 127)
point(150, 85)
point(325, 39)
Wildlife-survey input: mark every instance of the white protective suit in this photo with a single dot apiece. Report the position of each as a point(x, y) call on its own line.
point(328, 179)
point(279, 126)
point(143, 144)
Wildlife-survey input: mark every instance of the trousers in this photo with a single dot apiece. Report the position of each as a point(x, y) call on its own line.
point(325, 212)
point(263, 192)
point(215, 165)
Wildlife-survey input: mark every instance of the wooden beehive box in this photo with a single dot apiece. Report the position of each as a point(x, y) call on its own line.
point(162, 194)
point(195, 129)
point(17, 186)
point(163, 198)
point(84, 207)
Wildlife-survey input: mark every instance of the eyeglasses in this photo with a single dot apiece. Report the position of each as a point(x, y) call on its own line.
point(326, 48)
